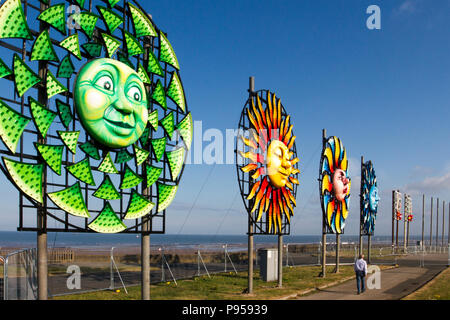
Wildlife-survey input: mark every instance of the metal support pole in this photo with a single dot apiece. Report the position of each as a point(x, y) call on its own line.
point(111, 270)
point(448, 232)
point(250, 223)
point(443, 223)
point(393, 218)
point(369, 244)
point(423, 221)
point(145, 262)
point(280, 261)
point(338, 246)
point(361, 208)
point(324, 227)
point(404, 222)
point(42, 266)
point(437, 222)
point(431, 224)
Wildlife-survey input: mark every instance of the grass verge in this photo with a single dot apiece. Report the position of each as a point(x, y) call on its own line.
point(436, 289)
point(227, 286)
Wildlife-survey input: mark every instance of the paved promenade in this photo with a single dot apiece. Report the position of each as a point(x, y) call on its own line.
point(396, 283)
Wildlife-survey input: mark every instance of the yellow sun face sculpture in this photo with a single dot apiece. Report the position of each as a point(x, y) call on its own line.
point(271, 161)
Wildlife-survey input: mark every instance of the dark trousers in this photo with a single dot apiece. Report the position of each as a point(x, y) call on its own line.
point(360, 281)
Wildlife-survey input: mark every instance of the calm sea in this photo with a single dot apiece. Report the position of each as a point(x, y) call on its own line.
point(28, 239)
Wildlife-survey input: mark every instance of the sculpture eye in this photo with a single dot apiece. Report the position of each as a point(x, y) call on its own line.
point(135, 94)
point(279, 152)
point(105, 83)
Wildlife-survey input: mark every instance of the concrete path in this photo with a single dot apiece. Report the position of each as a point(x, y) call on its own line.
point(395, 283)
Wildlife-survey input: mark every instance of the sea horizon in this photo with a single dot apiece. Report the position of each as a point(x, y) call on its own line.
point(24, 239)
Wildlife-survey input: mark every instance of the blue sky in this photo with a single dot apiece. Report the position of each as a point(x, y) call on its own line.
point(385, 93)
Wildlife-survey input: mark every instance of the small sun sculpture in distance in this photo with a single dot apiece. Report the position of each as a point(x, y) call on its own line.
point(370, 198)
point(271, 165)
point(334, 184)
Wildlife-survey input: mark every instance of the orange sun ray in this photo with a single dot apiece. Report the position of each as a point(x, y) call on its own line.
point(261, 110)
point(253, 191)
point(260, 194)
point(249, 167)
point(291, 143)
point(248, 142)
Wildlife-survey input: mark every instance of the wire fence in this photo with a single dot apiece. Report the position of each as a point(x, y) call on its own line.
point(79, 270)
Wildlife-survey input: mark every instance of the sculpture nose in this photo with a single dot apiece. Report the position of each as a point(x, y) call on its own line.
point(122, 106)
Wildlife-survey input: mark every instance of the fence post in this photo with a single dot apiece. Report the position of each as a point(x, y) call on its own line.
point(111, 274)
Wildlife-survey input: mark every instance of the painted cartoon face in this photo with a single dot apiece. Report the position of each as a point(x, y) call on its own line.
point(340, 184)
point(111, 102)
point(279, 166)
point(373, 198)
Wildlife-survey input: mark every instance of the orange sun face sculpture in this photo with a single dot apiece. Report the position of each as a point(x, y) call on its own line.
point(271, 165)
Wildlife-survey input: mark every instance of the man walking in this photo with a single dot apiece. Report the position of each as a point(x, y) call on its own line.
point(361, 272)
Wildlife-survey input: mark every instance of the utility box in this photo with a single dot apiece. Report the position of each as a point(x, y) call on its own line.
point(268, 264)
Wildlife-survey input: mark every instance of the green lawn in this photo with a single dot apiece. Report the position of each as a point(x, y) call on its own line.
point(226, 286)
point(436, 289)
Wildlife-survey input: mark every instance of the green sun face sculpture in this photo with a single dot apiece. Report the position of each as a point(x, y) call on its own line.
point(111, 101)
point(102, 109)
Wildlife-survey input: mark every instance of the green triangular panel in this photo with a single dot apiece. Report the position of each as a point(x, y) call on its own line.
point(71, 200)
point(71, 44)
point(107, 165)
point(145, 136)
point(80, 3)
point(140, 154)
point(124, 59)
point(176, 160)
point(159, 145)
point(167, 54)
point(43, 49)
point(111, 19)
point(65, 114)
point(27, 177)
point(133, 45)
point(186, 130)
point(66, 68)
point(123, 156)
point(107, 191)
point(70, 139)
point(82, 171)
point(153, 119)
point(13, 21)
point(87, 22)
point(42, 117)
point(112, 3)
point(159, 95)
point(167, 124)
point(129, 179)
point(12, 125)
point(90, 150)
point(107, 221)
point(143, 74)
point(138, 206)
point(166, 194)
point(153, 65)
point(4, 70)
point(24, 77)
point(52, 155)
point(153, 174)
point(142, 25)
point(93, 49)
point(176, 92)
point(54, 87)
point(56, 17)
point(111, 44)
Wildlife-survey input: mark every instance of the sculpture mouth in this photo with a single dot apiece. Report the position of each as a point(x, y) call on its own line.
point(122, 124)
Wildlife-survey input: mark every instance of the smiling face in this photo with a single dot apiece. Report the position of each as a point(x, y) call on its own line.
point(340, 184)
point(279, 166)
point(373, 198)
point(111, 102)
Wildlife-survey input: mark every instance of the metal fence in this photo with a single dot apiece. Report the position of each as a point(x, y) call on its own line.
point(20, 275)
point(78, 270)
